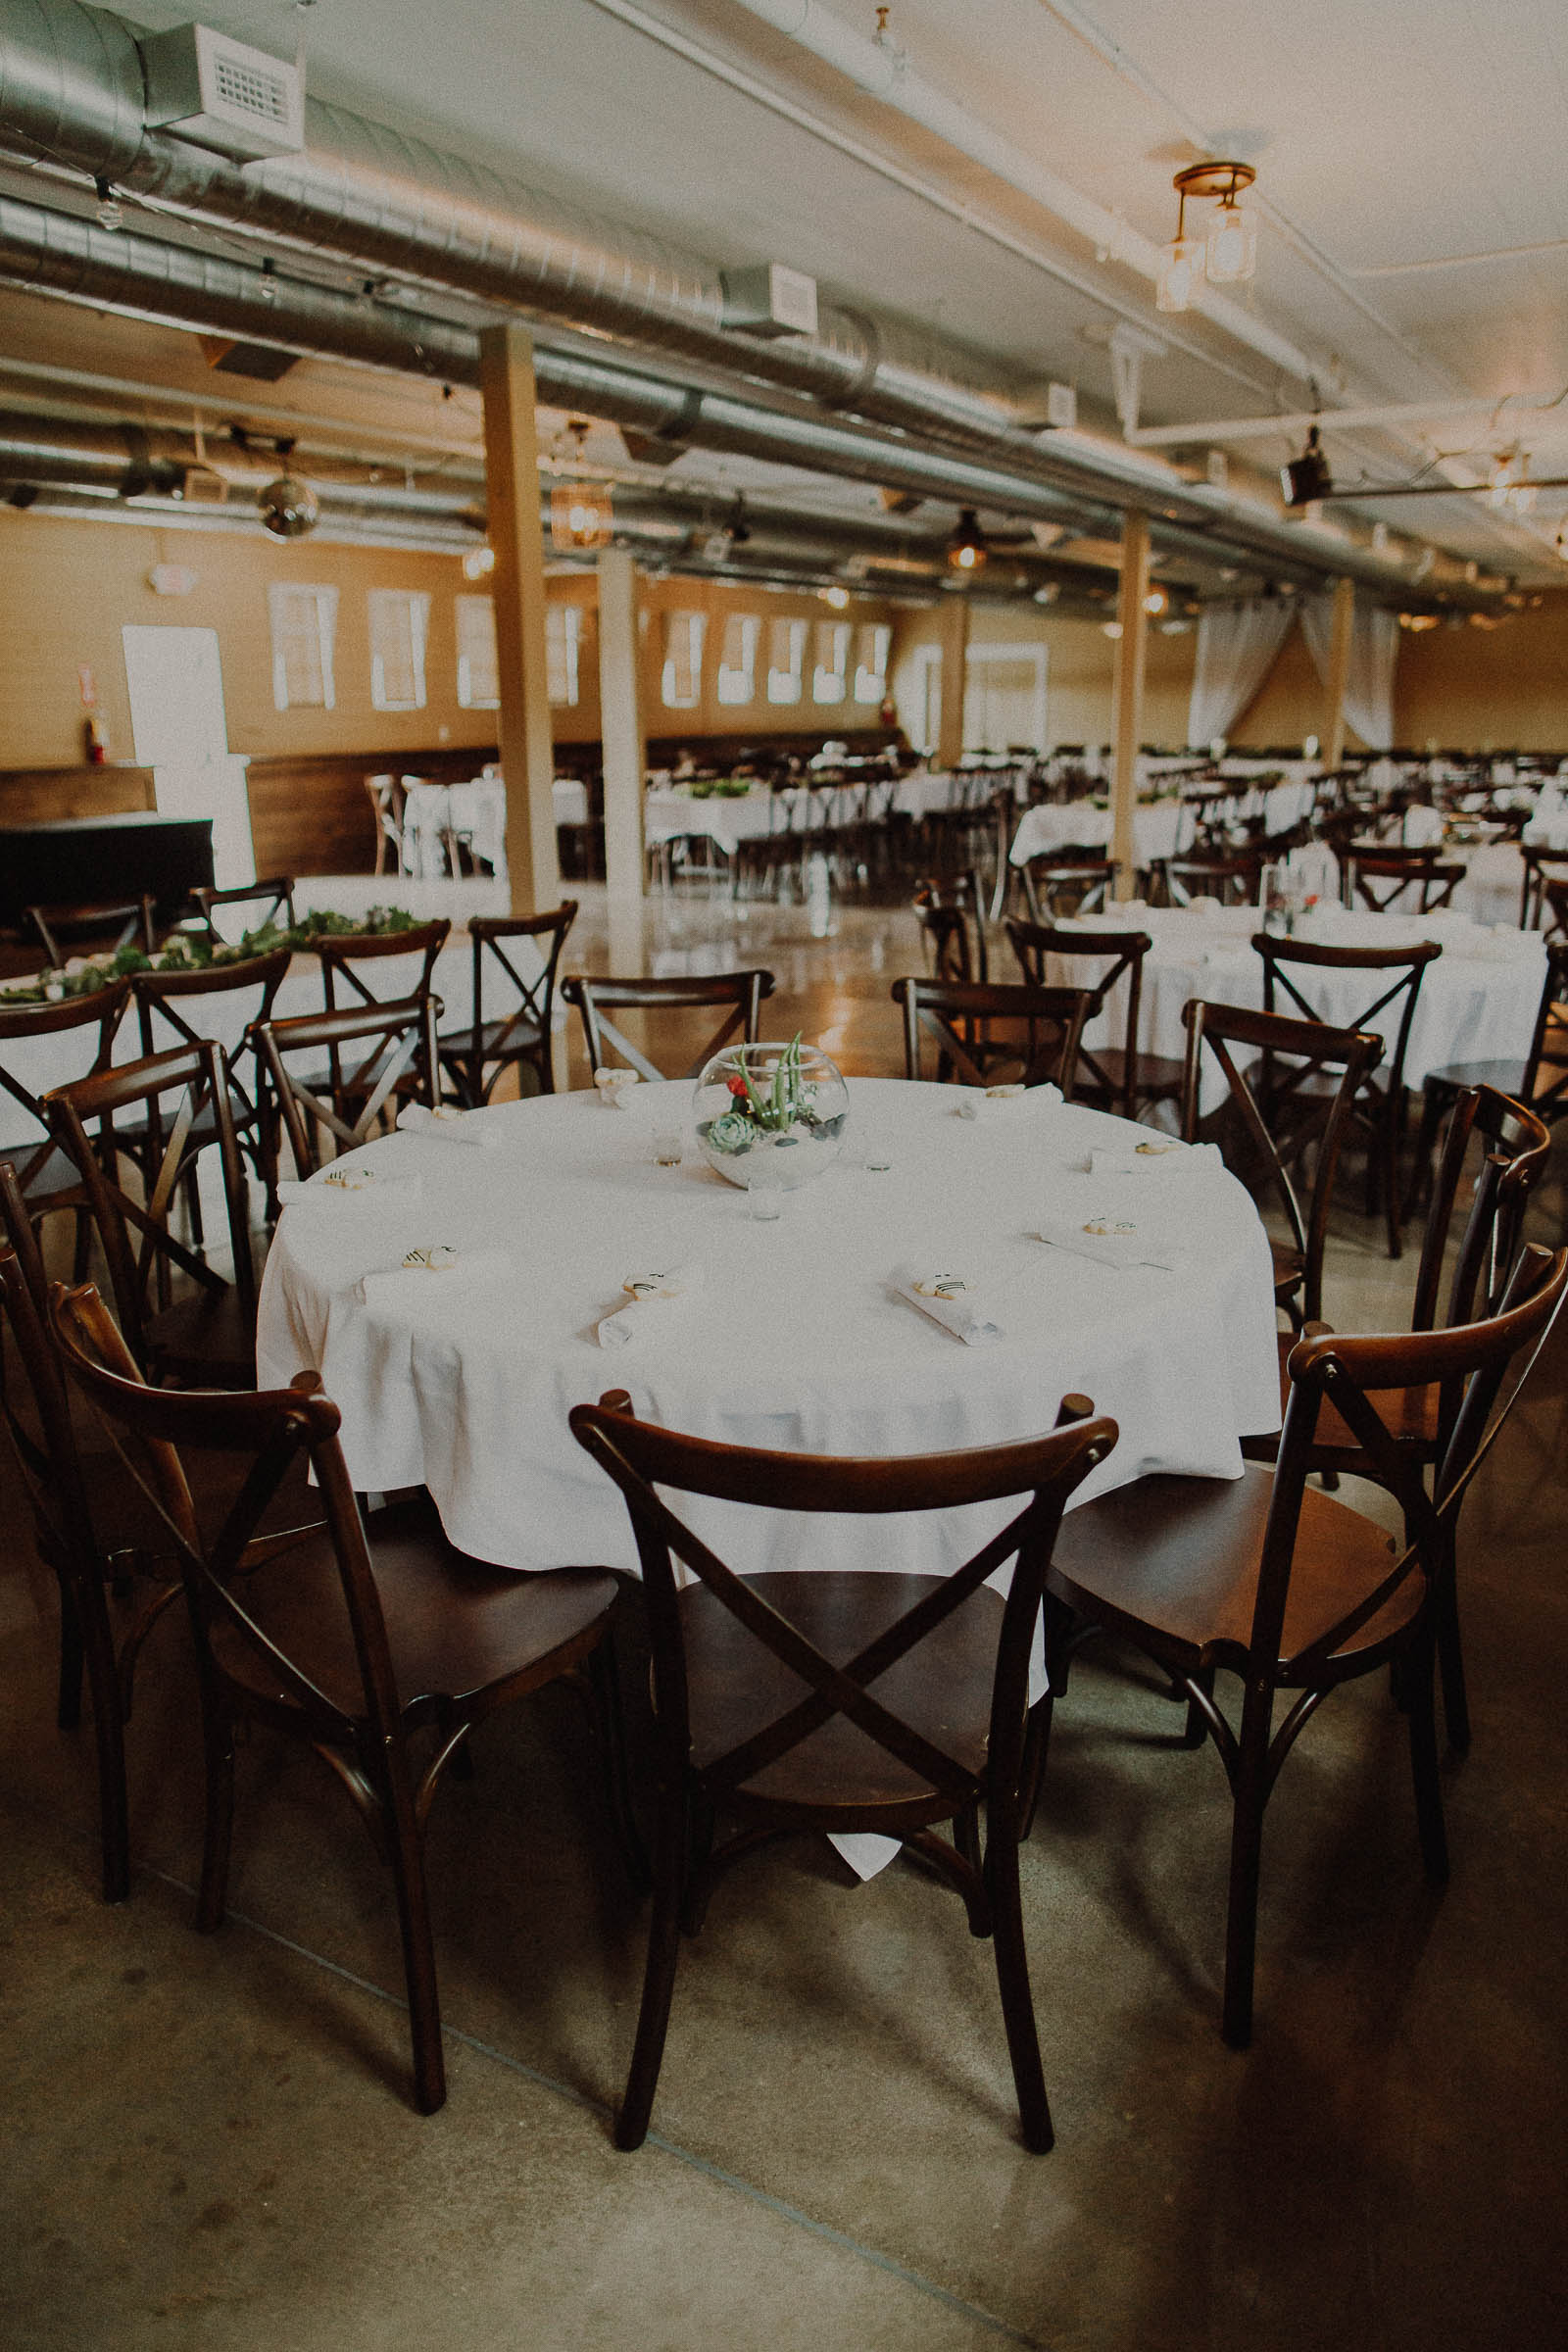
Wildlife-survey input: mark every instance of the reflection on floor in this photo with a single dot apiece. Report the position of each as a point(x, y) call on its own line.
point(210, 2144)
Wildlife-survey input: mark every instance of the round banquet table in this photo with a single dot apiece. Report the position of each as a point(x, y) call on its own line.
point(797, 1339)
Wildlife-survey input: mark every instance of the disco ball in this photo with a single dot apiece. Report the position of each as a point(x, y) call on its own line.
point(289, 509)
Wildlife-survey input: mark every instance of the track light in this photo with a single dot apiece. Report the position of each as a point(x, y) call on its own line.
point(966, 549)
point(1307, 477)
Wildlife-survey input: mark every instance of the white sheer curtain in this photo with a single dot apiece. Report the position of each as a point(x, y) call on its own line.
point(1374, 649)
point(1236, 648)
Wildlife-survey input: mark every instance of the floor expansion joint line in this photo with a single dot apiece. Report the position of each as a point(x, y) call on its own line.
point(822, 2230)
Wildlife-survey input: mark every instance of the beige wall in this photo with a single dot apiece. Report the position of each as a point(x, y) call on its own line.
point(1477, 690)
point(1078, 670)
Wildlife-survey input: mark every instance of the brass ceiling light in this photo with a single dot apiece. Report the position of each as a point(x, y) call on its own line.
point(582, 513)
point(966, 549)
point(1227, 253)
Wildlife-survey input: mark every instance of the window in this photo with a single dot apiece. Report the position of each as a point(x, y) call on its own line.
point(563, 640)
point(828, 679)
point(786, 658)
point(478, 686)
point(873, 642)
point(683, 660)
point(304, 625)
point(737, 659)
point(399, 622)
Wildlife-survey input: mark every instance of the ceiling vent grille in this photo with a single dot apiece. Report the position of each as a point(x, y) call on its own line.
point(218, 93)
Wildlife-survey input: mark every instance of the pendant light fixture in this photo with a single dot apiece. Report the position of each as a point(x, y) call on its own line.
point(966, 549)
point(580, 511)
point(1227, 254)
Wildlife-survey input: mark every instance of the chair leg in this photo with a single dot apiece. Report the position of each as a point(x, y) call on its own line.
point(1013, 1983)
point(1248, 1799)
point(217, 1740)
point(1392, 1135)
point(406, 1854)
point(68, 1698)
point(1417, 1678)
point(94, 1644)
point(659, 1979)
point(1451, 1656)
point(1196, 1729)
point(1434, 1102)
point(610, 1725)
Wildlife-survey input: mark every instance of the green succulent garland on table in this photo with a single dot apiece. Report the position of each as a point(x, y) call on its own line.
point(85, 975)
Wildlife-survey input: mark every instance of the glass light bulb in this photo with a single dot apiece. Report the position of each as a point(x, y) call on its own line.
point(1231, 248)
point(1179, 275)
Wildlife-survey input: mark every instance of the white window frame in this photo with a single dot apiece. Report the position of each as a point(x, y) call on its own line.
point(414, 615)
point(786, 685)
point(280, 597)
point(830, 676)
point(464, 606)
point(694, 626)
point(563, 653)
point(737, 680)
point(1027, 656)
point(873, 637)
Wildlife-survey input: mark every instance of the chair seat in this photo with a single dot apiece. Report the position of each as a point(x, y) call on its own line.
point(1180, 1555)
point(455, 1625)
point(207, 1339)
point(943, 1689)
point(1289, 1270)
point(1507, 1077)
point(57, 1182)
point(495, 1037)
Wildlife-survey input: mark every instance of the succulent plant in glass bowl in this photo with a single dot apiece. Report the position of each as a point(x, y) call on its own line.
point(771, 1111)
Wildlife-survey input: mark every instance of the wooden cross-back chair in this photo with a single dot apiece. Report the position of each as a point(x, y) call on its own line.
point(77, 930)
point(208, 1334)
point(523, 1034)
point(1056, 886)
point(272, 899)
point(1119, 1078)
point(1395, 974)
point(179, 1008)
point(49, 1178)
point(376, 1055)
point(993, 1033)
point(1540, 1081)
point(763, 1708)
point(1545, 873)
point(1289, 1590)
point(352, 960)
point(739, 995)
point(1291, 1089)
point(373, 1642)
point(387, 796)
point(951, 913)
point(1380, 877)
point(1231, 881)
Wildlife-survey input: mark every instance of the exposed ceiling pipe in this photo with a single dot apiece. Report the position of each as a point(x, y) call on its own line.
point(60, 254)
point(877, 66)
point(1410, 413)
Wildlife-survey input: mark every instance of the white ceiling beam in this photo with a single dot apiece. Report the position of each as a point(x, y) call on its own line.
point(1406, 413)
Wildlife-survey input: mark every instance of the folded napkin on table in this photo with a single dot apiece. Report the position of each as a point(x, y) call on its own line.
point(649, 1305)
point(448, 1126)
point(1162, 1152)
point(950, 1300)
point(1110, 1240)
point(615, 1087)
point(997, 1101)
point(342, 1187)
point(432, 1272)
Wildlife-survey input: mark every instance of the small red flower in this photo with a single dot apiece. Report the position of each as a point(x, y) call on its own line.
point(737, 1087)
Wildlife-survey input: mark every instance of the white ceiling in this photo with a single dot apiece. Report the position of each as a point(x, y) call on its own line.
point(1385, 135)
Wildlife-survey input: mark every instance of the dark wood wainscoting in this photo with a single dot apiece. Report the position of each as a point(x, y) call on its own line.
point(41, 796)
point(312, 816)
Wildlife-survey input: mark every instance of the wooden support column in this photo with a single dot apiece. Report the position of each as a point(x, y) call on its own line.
point(1341, 630)
point(1127, 697)
point(620, 724)
point(954, 625)
point(518, 585)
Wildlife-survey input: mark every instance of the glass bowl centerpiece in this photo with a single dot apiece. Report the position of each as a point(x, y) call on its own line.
point(772, 1112)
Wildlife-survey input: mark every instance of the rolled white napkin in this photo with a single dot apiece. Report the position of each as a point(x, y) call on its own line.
point(448, 1126)
point(1110, 1240)
point(432, 1272)
point(1162, 1152)
point(950, 1300)
point(1003, 1102)
point(616, 1085)
point(651, 1300)
point(344, 1188)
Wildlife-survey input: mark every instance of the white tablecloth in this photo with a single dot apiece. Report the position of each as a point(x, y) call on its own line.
point(1159, 828)
point(476, 809)
point(796, 1342)
point(1478, 1000)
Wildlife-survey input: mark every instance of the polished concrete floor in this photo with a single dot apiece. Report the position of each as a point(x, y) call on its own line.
point(209, 2141)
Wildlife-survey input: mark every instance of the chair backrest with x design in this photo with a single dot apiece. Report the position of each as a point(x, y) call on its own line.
point(739, 995)
point(45, 1450)
point(1282, 958)
point(1032, 943)
point(370, 1048)
point(1291, 1087)
point(184, 1009)
point(950, 913)
point(980, 1029)
point(353, 960)
point(1040, 1473)
point(267, 901)
point(524, 1028)
point(135, 1228)
point(1515, 1146)
point(63, 931)
point(1082, 882)
point(1381, 877)
point(23, 1122)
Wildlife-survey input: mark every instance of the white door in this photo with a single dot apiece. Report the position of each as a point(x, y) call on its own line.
point(1005, 698)
point(175, 682)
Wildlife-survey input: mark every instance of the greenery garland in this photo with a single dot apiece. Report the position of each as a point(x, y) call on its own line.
point(85, 975)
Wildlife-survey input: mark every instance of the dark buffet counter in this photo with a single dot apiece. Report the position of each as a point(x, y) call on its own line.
point(103, 859)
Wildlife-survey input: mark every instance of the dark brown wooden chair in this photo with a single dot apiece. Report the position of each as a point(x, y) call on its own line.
point(368, 1641)
point(764, 1712)
point(993, 1033)
point(1396, 974)
point(1288, 1589)
point(272, 899)
point(180, 1008)
point(1055, 886)
point(475, 1055)
point(738, 995)
point(185, 1322)
point(352, 961)
point(1541, 1080)
point(387, 794)
point(950, 913)
point(1291, 1089)
point(1382, 876)
point(1232, 880)
point(1119, 1078)
point(1546, 870)
point(49, 1178)
point(81, 930)
point(377, 1057)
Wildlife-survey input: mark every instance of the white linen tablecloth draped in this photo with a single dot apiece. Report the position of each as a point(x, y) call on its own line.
point(797, 1340)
